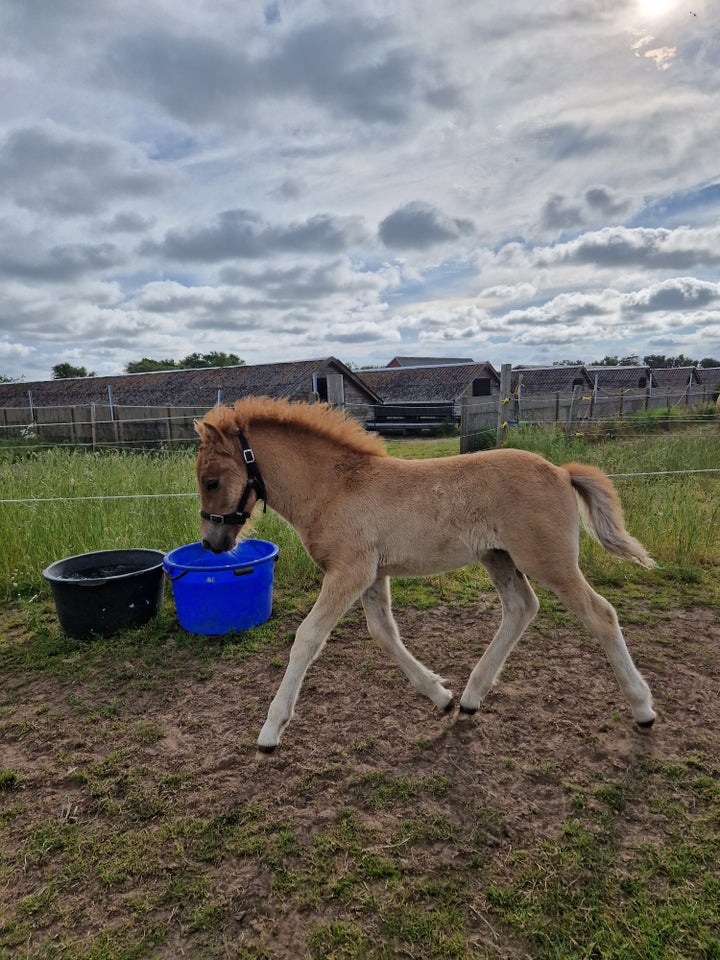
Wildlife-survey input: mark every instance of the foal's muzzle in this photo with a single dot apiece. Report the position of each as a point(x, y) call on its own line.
point(218, 539)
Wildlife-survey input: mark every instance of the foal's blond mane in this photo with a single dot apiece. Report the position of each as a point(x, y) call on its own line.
point(318, 419)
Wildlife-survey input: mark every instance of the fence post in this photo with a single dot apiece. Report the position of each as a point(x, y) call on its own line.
point(503, 401)
point(571, 411)
point(593, 399)
point(466, 425)
point(113, 420)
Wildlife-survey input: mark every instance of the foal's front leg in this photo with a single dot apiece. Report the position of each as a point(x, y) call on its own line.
point(382, 627)
point(338, 592)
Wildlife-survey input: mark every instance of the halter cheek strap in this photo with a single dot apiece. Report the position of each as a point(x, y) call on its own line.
point(255, 484)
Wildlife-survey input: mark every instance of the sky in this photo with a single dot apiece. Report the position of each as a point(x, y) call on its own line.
point(513, 181)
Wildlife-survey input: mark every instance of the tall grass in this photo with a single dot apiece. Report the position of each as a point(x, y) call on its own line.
point(55, 520)
point(676, 516)
point(36, 533)
point(673, 511)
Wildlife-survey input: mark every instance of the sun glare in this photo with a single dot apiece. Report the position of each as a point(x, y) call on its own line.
point(656, 8)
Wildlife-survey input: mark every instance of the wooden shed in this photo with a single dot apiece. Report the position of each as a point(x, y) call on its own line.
point(562, 378)
point(615, 378)
point(426, 396)
point(327, 378)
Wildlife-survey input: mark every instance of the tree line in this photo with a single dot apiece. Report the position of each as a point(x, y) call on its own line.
point(193, 361)
point(216, 358)
point(653, 360)
point(656, 361)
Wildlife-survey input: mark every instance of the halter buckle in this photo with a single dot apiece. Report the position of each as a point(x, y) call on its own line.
point(248, 455)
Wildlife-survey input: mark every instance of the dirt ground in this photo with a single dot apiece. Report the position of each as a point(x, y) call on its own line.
point(555, 725)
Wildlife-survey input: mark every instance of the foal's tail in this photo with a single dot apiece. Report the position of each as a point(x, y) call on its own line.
point(602, 513)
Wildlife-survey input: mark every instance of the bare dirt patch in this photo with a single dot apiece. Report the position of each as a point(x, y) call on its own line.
point(138, 813)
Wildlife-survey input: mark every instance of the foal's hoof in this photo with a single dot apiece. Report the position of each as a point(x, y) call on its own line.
point(646, 724)
point(450, 706)
point(468, 711)
point(267, 750)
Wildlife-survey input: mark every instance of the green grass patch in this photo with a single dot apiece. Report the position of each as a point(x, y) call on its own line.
point(594, 892)
point(675, 516)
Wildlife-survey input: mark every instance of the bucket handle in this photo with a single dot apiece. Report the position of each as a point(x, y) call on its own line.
point(237, 571)
point(173, 579)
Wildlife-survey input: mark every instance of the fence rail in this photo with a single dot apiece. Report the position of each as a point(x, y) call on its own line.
point(575, 411)
point(98, 425)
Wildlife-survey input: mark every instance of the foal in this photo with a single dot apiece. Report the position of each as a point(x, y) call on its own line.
point(364, 516)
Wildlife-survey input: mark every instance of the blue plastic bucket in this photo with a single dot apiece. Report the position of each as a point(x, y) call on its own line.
point(222, 592)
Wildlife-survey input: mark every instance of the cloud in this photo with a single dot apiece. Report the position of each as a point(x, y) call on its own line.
point(418, 226)
point(26, 258)
point(362, 331)
point(127, 221)
point(173, 298)
point(244, 234)
point(289, 188)
point(347, 307)
point(680, 293)
point(607, 202)
point(661, 56)
point(503, 293)
point(13, 353)
point(691, 335)
point(360, 68)
point(61, 321)
point(46, 168)
point(578, 313)
point(308, 282)
point(438, 323)
point(639, 246)
point(568, 140)
point(558, 213)
point(561, 213)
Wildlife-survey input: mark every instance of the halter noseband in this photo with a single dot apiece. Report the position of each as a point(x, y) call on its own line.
point(255, 484)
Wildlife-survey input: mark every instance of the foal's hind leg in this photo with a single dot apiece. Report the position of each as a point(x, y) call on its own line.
point(519, 606)
point(382, 626)
point(600, 618)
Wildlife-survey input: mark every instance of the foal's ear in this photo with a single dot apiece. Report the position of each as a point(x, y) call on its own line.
point(206, 432)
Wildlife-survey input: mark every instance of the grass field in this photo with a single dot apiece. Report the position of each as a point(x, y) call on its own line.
point(137, 821)
point(75, 502)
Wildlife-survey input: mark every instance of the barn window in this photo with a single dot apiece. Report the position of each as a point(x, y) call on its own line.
point(578, 382)
point(481, 387)
point(320, 386)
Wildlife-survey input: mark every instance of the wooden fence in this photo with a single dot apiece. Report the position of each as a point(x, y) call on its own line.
point(97, 425)
point(575, 411)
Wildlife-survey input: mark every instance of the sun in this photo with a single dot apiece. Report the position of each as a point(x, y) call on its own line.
point(656, 8)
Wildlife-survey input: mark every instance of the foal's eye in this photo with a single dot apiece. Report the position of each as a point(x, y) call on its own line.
point(211, 484)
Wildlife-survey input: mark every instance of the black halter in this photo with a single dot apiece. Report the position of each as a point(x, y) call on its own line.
point(255, 484)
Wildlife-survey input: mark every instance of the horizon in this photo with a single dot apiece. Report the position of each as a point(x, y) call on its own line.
point(710, 363)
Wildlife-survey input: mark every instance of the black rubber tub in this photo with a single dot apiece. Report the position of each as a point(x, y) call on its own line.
point(107, 591)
